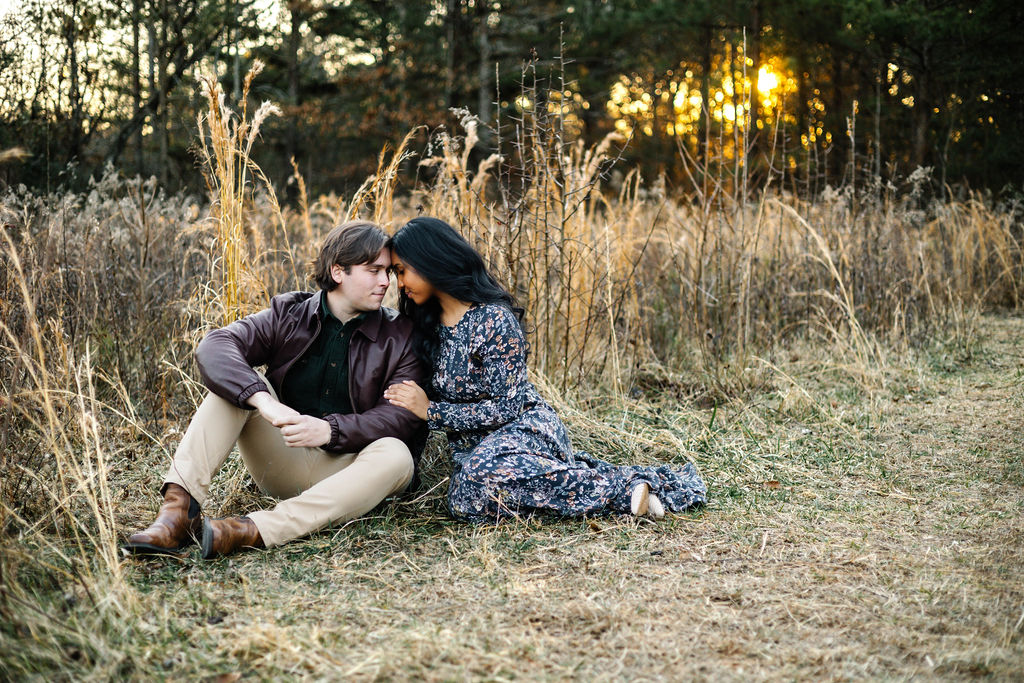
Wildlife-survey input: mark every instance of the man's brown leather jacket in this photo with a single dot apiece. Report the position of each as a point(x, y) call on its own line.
point(379, 355)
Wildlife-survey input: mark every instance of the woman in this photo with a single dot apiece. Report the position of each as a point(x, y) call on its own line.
point(511, 451)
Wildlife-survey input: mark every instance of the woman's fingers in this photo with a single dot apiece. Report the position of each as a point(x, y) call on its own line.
point(410, 396)
point(398, 391)
point(396, 398)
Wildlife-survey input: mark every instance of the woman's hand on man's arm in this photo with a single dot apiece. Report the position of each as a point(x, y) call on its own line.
point(410, 396)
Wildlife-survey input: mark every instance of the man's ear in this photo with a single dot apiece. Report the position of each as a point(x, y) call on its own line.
point(337, 272)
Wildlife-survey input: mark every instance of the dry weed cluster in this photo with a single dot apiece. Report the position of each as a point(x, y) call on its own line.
point(630, 290)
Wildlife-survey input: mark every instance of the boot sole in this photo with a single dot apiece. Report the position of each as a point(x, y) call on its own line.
point(207, 543)
point(150, 549)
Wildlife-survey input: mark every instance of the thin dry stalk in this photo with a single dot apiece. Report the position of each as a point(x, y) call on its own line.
point(225, 148)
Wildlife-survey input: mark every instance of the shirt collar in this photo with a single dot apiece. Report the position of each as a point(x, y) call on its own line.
point(325, 312)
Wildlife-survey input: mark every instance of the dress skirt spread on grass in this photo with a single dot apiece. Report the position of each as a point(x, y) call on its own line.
point(511, 451)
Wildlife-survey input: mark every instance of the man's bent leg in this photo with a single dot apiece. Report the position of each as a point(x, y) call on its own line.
point(342, 488)
point(208, 441)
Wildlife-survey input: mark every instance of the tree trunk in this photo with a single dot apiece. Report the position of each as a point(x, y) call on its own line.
point(161, 112)
point(737, 140)
point(838, 115)
point(484, 92)
point(236, 62)
point(74, 95)
point(137, 77)
point(152, 48)
point(704, 125)
point(294, 38)
point(450, 19)
point(922, 111)
point(754, 41)
point(657, 139)
point(880, 75)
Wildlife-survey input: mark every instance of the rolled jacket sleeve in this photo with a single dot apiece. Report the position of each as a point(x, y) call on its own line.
point(226, 357)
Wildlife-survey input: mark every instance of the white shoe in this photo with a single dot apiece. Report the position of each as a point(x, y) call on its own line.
point(655, 507)
point(639, 500)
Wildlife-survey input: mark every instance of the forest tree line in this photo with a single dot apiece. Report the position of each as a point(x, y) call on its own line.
point(801, 92)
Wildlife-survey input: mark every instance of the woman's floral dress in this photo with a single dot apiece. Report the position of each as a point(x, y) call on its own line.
point(511, 451)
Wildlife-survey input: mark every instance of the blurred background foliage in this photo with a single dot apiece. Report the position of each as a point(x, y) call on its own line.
point(805, 93)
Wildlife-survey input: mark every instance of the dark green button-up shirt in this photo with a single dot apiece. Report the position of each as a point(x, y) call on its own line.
point(317, 383)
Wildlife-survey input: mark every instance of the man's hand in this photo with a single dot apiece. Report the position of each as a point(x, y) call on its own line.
point(298, 430)
point(272, 410)
point(306, 431)
point(410, 396)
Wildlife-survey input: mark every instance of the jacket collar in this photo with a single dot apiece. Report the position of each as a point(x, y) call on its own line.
point(311, 309)
point(371, 325)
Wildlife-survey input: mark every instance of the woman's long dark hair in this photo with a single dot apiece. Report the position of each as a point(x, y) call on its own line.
point(446, 260)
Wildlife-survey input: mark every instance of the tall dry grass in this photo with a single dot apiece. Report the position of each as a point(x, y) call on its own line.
point(60, 568)
point(620, 282)
point(225, 150)
point(628, 287)
point(103, 294)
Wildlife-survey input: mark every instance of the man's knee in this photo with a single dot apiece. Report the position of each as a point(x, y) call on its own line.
point(391, 454)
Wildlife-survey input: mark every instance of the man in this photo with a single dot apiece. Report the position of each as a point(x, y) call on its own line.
point(315, 430)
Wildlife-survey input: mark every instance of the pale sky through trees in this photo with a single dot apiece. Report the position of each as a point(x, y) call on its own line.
point(864, 88)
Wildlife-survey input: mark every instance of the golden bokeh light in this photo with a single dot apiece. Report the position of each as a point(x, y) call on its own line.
point(671, 104)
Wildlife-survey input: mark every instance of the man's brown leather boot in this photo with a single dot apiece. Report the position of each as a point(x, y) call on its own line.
point(226, 535)
point(176, 526)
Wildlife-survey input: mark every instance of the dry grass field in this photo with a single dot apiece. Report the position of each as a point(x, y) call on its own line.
point(854, 533)
point(862, 534)
point(847, 372)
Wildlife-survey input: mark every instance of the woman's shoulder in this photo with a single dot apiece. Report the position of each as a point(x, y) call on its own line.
point(495, 313)
point(490, 320)
point(497, 310)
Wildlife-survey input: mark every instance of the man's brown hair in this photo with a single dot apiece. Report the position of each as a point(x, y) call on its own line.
point(347, 245)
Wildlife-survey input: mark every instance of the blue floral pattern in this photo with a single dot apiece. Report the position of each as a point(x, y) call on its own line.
point(511, 452)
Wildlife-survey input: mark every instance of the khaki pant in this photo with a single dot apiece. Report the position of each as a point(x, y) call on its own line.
point(317, 488)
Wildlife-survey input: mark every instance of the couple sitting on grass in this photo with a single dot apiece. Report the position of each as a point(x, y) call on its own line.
point(337, 421)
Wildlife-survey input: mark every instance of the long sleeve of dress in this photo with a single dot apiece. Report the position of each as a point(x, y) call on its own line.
point(495, 360)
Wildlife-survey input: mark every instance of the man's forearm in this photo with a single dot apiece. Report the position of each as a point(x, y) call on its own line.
point(260, 398)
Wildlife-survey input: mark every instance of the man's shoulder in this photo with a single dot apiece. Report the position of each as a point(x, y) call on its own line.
point(288, 299)
point(395, 320)
point(298, 305)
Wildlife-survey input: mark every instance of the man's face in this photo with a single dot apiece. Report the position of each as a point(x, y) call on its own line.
point(364, 286)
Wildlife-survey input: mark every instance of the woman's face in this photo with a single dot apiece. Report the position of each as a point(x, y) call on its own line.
point(412, 283)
